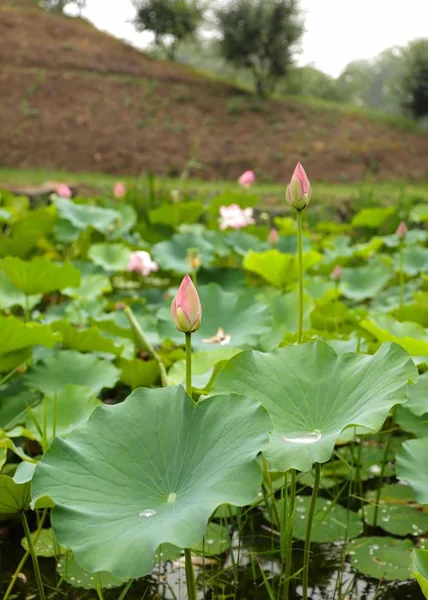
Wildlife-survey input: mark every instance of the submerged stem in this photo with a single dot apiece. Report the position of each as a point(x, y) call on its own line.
point(300, 275)
point(36, 567)
point(307, 550)
point(192, 593)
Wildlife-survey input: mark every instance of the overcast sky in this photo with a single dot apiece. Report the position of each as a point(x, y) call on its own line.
point(337, 31)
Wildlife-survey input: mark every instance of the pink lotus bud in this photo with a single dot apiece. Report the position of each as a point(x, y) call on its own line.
point(273, 236)
point(119, 190)
point(337, 273)
point(299, 191)
point(186, 309)
point(401, 230)
point(235, 217)
point(63, 190)
point(141, 262)
point(247, 179)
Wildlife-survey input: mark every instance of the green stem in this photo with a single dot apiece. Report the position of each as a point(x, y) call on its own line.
point(145, 344)
point(289, 532)
point(192, 593)
point(307, 550)
point(383, 468)
point(300, 275)
point(401, 275)
point(189, 363)
point(27, 311)
point(33, 556)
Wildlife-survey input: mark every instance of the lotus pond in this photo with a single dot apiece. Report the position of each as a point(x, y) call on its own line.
point(276, 451)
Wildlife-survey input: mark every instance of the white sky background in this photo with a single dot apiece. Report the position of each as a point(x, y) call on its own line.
point(337, 31)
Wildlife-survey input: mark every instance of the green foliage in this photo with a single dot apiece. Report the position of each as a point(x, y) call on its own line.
point(259, 35)
point(416, 78)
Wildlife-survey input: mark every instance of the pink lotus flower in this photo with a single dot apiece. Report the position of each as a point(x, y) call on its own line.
point(337, 273)
point(63, 190)
point(235, 217)
point(141, 262)
point(119, 190)
point(186, 309)
point(273, 236)
point(299, 191)
point(247, 179)
point(401, 230)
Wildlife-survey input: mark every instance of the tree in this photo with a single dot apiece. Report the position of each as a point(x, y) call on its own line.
point(260, 35)
point(415, 80)
point(171, 21)
point(59, 5)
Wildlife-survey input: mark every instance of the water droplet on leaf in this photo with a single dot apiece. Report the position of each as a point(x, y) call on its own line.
point(305, 438)
point(147, 513)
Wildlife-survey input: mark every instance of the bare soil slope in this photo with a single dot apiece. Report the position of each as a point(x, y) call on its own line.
point(75, 98)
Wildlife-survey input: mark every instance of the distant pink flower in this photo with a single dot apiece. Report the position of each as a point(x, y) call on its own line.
point(337, 273)
point(63, 190)
point(119, 190)
point(299, 191)
point(247, 179)
point(235, 217)
point(401, 230)
point(273, 236)
point(141, 262)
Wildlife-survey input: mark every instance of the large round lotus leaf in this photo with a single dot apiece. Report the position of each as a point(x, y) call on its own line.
point(176, 213)
point(364, 282)
point(40, 275)
point(16, 335)
point(82, 216)
point(373, 217)
point(419, 213)
point(91, 286)
point(398, 519)
point(111, 257)
point(278, 269)
point(205, 366)
point(418, 396)
point(10, 295)
point(14, 400)
point(14, 497)
point(67, 366)
point(393, 493)
point(284, 310)
point(332, 522)
point(381, 557)
point(228, 319)
point(216, 540)
point(44, 543)
point(415, 260)
point(418, 425)
point(148, 471)
point(85, 340)
point(173, 255)
point(412, 466)
point(73, 574)
point(312, 394)
point(136, 372)
point(411, 336)
point(60, 414)
point(420, 569)
point(242, 242)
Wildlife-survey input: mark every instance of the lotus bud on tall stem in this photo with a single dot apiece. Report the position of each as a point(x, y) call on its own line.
point(186, 312)
point(401, 233)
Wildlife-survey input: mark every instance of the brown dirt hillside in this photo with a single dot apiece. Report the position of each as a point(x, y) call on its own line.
point(74, 98)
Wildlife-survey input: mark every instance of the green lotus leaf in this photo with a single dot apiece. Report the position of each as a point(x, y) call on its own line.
point(419, 213)
point(242, 242)
point(288, 244)
point(418, 396)
point(68, 366)
point(85, 340)
point(73, 574)
point(364, 282)
point(44, 543)
point(10, 295)
point(40, 275)
point(411, 336)
point(82, 216)
point(412, 467)
point(420, 565)
point(393, 493)
point(27, 232)
point(16, 335)
point(137, 372)
point(205, 366)
point(408, 421)
point(312, 395)
point(398, 519)
point(111, 257)
point(331, 523)
point(173, 255)
point(381, 557)
point(415, 260)
point(278, 269)
point(24, 472)
point(176, 213)
point(91, 286)
point(284, 308)
point(148, 471)
point(14, 401)
point(373, 217)
point(14, 497)
point(241, 319)
point(216, 540)
point(58, 415)
point(370, 461)
point(415, 311)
